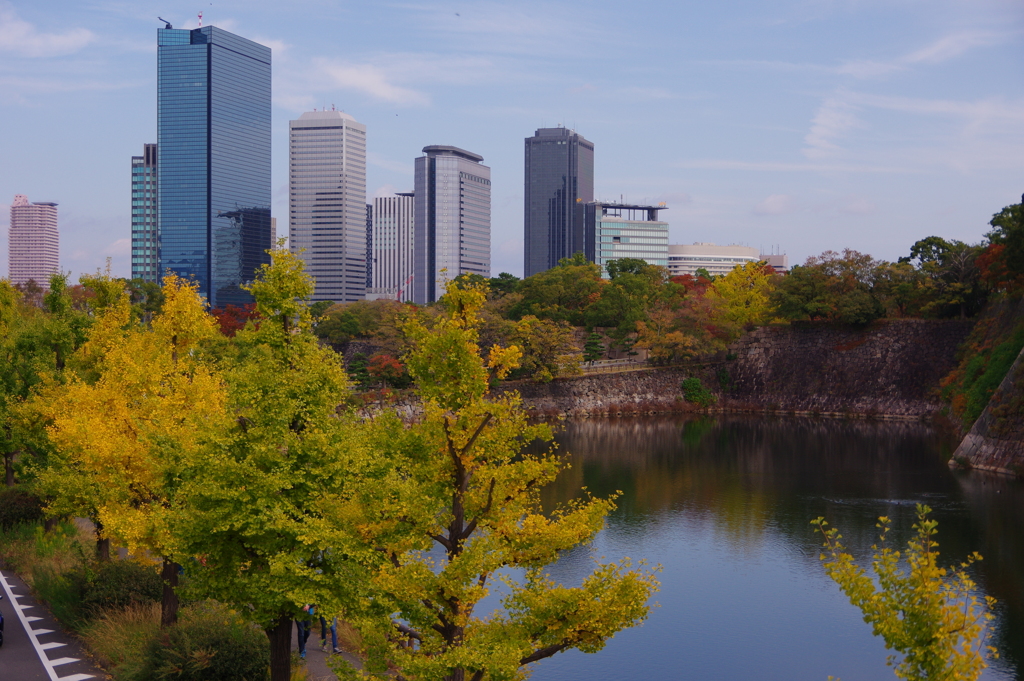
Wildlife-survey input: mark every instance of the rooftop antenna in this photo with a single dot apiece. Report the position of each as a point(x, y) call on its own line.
point(200, 20)
point(168, 26)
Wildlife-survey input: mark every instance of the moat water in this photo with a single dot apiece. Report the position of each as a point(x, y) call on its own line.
point(724, 506)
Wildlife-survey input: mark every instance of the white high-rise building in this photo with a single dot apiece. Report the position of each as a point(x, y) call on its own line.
point(453, 219)
point(392, 248)
point(327, 202)
point(33, 251)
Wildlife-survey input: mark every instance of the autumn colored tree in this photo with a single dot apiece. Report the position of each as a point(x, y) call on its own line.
point(389, 371)
point(451, 504)
point(121, 439)
point(927, 613)
point(744, 295)
point(232, 318)
point(548, 348)
point(262, 475)
point(663, 338)
point(1007, 236)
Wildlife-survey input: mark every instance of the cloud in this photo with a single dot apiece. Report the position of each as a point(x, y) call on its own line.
point(776, 204)
point(369, 79)
point(857, 205)
point(22, 38)
point(119, 247)
point(834, 118)
point(864, 69)
point(278, 48)
point(951, 46)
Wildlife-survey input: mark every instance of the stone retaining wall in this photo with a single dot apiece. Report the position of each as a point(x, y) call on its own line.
point(889, 369)
point(996, 441)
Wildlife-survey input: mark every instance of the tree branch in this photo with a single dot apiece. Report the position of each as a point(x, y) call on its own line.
point(408, 631)
point(542, 653)
point(486, 509)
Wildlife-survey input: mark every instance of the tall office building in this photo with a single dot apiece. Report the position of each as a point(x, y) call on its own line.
point(559, 175)
point(327, 202)
point(145, 238)
point(452, 217)
point(33, 244)
point(392, 248)
point(213, 166)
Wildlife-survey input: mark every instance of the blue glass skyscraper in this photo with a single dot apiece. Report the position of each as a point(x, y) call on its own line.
point(213, 133)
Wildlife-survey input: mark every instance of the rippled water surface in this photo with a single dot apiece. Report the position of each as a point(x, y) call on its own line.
point(724, 505)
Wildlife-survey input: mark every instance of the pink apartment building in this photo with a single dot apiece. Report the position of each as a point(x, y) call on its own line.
point(32, 242)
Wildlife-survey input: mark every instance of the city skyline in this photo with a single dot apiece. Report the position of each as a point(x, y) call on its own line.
point(806, 125)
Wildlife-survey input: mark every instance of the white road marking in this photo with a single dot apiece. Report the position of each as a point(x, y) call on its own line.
point(50, 646)
point(34, 638)
point(63, 660)
point(40, 632)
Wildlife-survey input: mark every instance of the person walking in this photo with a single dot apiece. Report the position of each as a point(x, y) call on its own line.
point(304, 626)
point(334, 635)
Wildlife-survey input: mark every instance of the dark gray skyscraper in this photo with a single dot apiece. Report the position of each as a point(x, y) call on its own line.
point(213, 177)
point(559, 175)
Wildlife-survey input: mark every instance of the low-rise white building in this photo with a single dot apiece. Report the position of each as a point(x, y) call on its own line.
point(717, 260)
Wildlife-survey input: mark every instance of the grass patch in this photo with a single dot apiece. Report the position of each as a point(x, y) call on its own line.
point(120, 638)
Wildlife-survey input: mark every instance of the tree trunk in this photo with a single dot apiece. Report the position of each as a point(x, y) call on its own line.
point(102, 543)
point(281, 649)
point(49, 524)
point(9, 469)
point(169, 603)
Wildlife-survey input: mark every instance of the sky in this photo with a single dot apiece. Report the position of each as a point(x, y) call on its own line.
point(795, 126)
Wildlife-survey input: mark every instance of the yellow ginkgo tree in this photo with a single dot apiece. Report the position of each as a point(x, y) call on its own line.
point(448, 510)
point(122, 433)
point(931, 615)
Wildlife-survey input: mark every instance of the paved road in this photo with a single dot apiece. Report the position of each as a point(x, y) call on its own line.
point(35, 648)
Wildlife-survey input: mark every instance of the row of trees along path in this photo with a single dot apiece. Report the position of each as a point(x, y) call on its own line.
point(233, 459)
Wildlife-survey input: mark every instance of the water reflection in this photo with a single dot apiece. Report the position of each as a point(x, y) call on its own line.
point(724, 505)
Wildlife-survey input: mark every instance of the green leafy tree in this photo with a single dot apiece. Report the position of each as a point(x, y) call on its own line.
point(358, 369)
point(927, 613)
point(35, 345)
point(633, 289)
point(503, 284)
point(951, 278)
point(563, 293)
point(593, 349)
point(835, 287)
point(453, 504)
point(259, 480)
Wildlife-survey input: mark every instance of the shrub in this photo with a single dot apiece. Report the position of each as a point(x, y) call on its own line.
point(119, 584)
point(694, 392)
point(18, 507)
point(209, 643)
